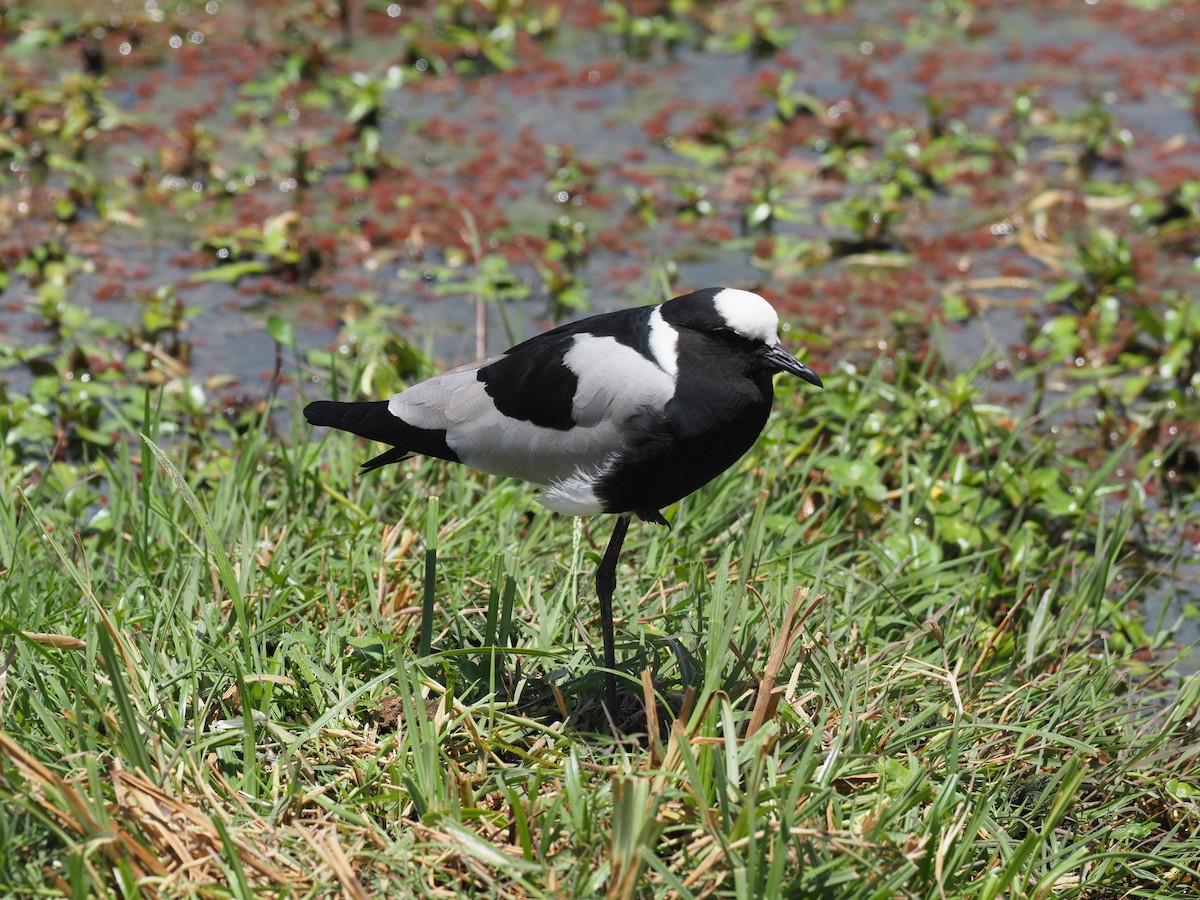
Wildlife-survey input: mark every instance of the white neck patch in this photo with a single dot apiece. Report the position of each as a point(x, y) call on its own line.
point(664, 342)
point(748, 314)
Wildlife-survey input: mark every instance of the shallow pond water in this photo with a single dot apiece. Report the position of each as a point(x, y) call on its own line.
point(621, 118)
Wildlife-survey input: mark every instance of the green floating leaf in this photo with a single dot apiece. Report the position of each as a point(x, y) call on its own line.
point(705, 155)
point(281, 330)
point(231, 272)
point(955, 308)
point(92, 436)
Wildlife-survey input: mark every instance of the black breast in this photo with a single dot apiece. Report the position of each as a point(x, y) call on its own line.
point(722, 399)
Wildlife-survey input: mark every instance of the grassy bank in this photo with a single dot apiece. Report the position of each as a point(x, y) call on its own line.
point(891, 654)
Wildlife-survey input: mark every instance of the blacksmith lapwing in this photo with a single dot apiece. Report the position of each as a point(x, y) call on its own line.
point(624, 412)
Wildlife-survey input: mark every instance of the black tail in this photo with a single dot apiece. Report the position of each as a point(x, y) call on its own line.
point(372, 420)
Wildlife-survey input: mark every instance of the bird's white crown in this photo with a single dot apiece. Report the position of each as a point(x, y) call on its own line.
point(748, 314)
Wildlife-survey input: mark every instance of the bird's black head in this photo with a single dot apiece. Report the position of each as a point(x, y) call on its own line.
point(743, 319)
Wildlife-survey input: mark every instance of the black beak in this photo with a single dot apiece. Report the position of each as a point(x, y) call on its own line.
point(782, 361)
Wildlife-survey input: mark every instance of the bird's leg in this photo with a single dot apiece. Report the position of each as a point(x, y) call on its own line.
point(606, 583)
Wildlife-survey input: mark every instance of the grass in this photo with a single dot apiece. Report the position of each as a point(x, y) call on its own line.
point(888, 655)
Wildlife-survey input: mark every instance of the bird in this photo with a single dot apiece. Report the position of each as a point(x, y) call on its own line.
point(625, 412)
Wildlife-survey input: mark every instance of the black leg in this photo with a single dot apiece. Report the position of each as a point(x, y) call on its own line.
point(606, 583)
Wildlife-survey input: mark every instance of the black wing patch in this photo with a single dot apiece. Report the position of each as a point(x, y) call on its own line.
point(531, 382)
